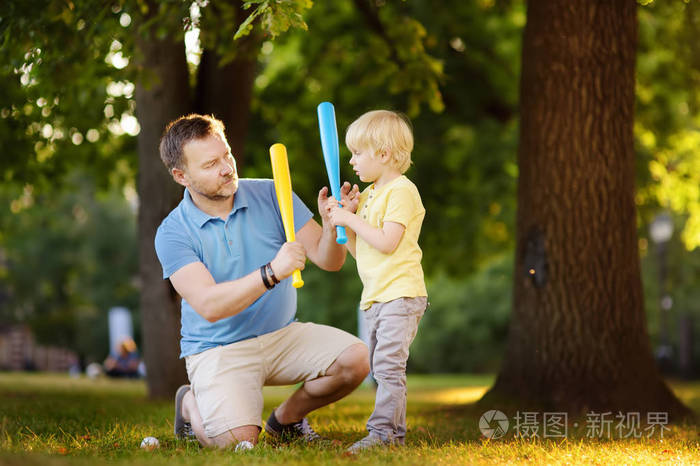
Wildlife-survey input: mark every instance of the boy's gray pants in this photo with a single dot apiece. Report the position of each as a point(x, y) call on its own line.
point(391, 328)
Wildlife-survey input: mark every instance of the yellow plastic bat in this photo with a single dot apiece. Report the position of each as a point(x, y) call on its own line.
point(283, 188)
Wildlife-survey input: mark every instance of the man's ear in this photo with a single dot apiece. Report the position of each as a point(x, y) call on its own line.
point(178, 176)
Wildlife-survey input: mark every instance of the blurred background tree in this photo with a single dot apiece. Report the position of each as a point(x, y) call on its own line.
point(77, 74)
point(68, 258)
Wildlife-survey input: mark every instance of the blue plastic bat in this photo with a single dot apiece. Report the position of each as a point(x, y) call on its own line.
point(331, 155)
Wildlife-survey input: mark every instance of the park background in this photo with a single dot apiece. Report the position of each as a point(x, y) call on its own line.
point(88, 87)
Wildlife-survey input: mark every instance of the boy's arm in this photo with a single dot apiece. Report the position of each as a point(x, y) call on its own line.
point(350, 245)
point(384, 239)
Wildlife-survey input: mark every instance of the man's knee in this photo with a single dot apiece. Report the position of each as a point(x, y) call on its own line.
point(354, 363)
point(235, 436)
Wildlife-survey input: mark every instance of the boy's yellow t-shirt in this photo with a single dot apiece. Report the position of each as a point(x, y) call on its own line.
point(386, 277)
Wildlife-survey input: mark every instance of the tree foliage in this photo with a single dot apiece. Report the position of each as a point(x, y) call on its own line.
point(668, 112)
point(274, 17)
point(61, 90)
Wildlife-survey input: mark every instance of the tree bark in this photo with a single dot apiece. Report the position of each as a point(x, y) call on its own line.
point(226, 91)
point(578, 339)
point(162, 95)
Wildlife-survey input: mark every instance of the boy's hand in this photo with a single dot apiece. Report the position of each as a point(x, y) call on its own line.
point(338, 217)
point(350, 197)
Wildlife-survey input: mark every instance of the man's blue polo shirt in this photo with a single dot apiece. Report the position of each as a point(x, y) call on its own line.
point(249, 238)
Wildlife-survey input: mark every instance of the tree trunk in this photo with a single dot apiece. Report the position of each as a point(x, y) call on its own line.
point(578, 339)
point(162, 94)
point(226, 91)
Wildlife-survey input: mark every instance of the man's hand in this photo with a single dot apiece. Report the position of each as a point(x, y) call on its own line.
point(323, 204)
point(290, 257)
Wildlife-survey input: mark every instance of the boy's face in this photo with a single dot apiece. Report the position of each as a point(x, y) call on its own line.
point(367, 165)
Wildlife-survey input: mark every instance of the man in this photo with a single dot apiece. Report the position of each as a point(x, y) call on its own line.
point(223, 249)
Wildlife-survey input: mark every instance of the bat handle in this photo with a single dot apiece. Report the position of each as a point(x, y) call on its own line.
point(341, 237)
point(297, 282)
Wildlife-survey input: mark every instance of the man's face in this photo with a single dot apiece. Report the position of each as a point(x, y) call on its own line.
point(209, 168)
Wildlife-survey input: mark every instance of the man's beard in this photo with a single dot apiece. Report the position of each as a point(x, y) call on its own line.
point(215, 196)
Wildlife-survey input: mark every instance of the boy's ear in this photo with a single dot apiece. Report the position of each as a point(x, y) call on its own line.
point(385, 156)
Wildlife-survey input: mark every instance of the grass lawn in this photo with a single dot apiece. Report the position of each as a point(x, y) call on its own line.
point(56, 420)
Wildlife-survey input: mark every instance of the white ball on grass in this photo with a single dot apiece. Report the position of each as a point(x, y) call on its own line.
point(244, 445)
point(150, 443)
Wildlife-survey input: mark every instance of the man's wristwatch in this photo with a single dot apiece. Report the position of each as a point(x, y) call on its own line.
point(265, 280)
point(271, 274)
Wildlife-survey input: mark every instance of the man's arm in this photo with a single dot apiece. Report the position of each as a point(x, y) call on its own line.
point(216, 301)
point(320, 245)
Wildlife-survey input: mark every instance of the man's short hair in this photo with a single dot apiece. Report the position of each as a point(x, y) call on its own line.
point(183, 130)
point(383, 130)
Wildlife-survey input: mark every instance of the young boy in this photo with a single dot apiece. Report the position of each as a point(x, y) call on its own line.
point(383, 238)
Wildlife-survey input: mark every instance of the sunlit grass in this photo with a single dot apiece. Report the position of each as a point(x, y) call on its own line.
point(54, 419)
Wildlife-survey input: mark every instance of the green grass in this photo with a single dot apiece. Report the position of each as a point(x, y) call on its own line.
point(56, 420)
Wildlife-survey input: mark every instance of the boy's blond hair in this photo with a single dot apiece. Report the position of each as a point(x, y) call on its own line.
point(380, 131)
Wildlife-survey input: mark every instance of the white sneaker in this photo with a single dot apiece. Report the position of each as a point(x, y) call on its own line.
point(371, 441)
